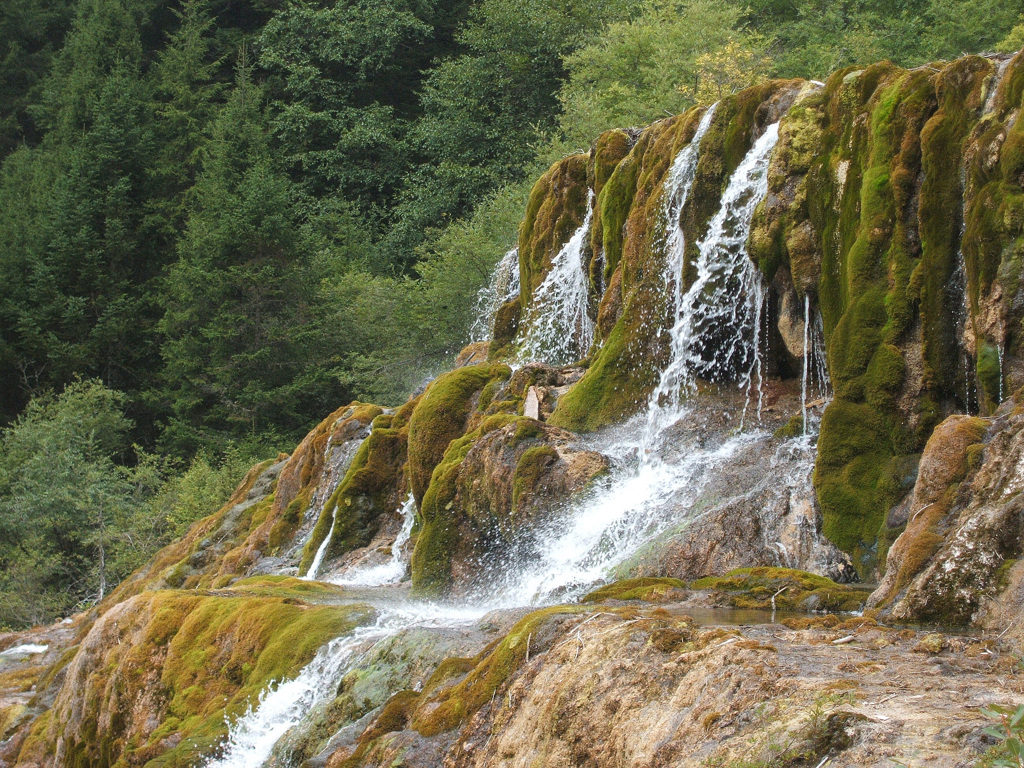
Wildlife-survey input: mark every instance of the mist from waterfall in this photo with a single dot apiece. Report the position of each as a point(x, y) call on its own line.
point(502, 288)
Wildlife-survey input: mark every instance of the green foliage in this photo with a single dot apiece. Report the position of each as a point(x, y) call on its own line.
point(30, 31)
point(655, 64)
point(1009, 730)
point(60, 494)
point(75, 517)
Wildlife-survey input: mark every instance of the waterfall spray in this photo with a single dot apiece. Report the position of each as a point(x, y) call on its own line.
point(717, 333)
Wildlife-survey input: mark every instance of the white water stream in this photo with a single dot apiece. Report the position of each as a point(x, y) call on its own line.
point(394, 569)
point(502, 288)
point(557, 328)
point(651, 487)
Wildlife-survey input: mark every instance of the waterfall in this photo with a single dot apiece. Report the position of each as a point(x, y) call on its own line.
point(502, 288)
point(647, 491)
point(643, 496)
point(807, 361)
point(251, 738)
point(558, 328)
point(997, 78)
point(394, 570)
point(999, 349)
point(717, 333)
point(815, 369)
point(321, 551)
point(664, 402)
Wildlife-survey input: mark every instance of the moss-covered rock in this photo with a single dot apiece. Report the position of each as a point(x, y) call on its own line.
point(492, 485)
point(625, 368)
point(556, 209)
point(441, 415)
point(158, 674)
point(373, 486)
point(783, 589)
point(648, 589)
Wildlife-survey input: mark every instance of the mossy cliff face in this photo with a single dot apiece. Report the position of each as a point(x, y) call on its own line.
point(493, 485)
point(374, 485)
point(556, 209)
point(964, 534)
point(153, 680)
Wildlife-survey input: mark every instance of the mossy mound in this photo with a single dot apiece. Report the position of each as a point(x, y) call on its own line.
point(649, 590)
point(492, 484)
point(442, 415)
point(792, 590)
point(156, 678)
point(285, 587)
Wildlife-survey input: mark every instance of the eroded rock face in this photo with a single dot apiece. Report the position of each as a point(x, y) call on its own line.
point(632, 685)
point(758, 508)
point(966, 524)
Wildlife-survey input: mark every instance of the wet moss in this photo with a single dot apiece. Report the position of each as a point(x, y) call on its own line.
point(493, 668)
point(791, 590)
point(959, 91)
point(531, 466)
point(506, 326)
point(650, 590)
point(556, 209)
point(442, 415)
point(212, 655)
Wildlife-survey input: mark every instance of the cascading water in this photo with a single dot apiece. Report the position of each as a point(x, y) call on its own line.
point(647, 491)
point(815, 372)
point(392, 571)
point(321, 552)
point(717, 331)
point(558, 328)
point(664, 404)
point(502, 288)
point(251, 739)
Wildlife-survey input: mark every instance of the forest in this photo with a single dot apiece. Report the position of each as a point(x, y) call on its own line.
point(221, 219)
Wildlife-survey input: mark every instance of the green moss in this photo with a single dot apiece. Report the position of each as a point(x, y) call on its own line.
point(855, 477)
point(651, 590)
point(506, 326)
point(213, 655)
point(614, 387)
point(531, 466)
point(556, 209)
point(989, 375)
point(960, 88)
point(791, 589)
point(441, 416)
point(884, 377)
point(371, 487)
point(431, 560)
point(613, 206)
point(493, 668)
point(284, 587)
